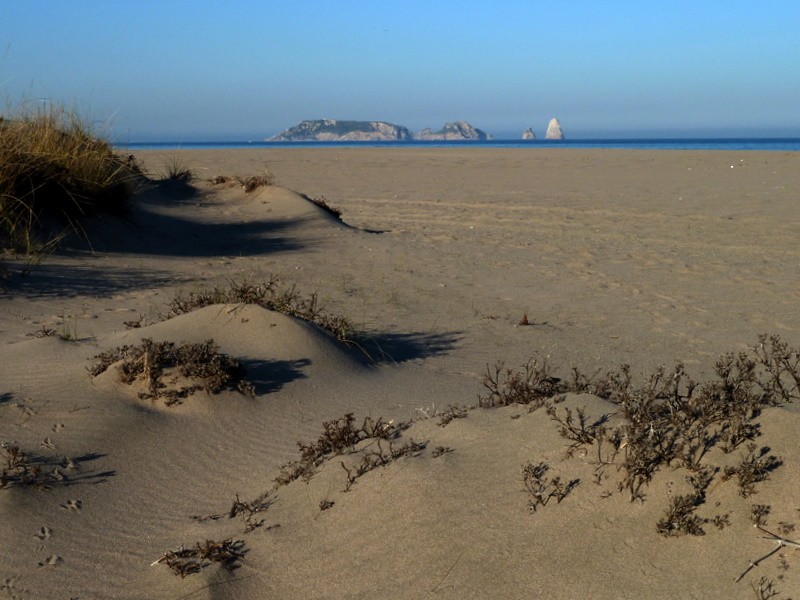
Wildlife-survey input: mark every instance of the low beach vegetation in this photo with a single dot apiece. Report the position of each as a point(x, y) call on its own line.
point(201, 364)
point(269, 294)
point(671, 422)
point(187, 561)
point(249, 184)
point(55, 172)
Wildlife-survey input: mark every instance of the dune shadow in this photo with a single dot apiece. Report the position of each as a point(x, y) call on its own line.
point(402, 347)
point(268, 376)
point(149, 231)
point(64, 280)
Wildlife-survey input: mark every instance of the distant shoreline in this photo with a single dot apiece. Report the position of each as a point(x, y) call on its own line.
point(735, 144)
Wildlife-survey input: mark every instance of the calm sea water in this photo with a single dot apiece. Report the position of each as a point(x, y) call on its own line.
point(773, 144)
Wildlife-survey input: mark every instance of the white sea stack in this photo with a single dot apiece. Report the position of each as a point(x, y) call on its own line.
point(554, 130)
point(528, 134)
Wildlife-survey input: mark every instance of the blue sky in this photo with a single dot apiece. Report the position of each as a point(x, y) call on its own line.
point(183, 71)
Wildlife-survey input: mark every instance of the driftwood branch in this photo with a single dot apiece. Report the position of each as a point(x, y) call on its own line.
point(780, 542)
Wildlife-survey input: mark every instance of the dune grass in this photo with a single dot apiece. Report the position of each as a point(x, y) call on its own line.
point(53, 173)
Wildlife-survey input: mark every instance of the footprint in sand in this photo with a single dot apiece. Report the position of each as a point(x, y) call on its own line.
point(48, 444)
point(9, 586)
point(51, 561)
point(72, 505)
point(44, 533)
point(58, 427)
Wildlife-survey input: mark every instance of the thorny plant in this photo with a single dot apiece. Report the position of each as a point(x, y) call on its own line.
point(269, 294)
point(671, 421)
point(338, 436)
point(380, 458)
point(764, 589)
point(681, 518)
point(248, 511)
point(148, 361)
point(759, 514)
point(532, 386)
point(18, 468)
point(580, 433)
point(542, 490)
point(451, 413)
point(441, 450)
point(755, 467)
point(186, 561)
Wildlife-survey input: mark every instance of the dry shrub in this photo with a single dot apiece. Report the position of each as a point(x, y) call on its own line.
point(533, 385)
point(148, 361)
point(186, 561)
point(671, 421)
point(249, 184)
point(541, 490)
point(252, 183)
point(269, 294)
point(18, 468)
point(338, 436)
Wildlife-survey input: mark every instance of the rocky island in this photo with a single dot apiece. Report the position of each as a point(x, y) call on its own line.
point(331, 130)
point(456, 130)
point(528, 134)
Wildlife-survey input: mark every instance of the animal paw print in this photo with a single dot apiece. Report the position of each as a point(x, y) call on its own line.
point(72, 505)
point(51, 561)
point(44, 533)
point(57, 427)
point(47, 444)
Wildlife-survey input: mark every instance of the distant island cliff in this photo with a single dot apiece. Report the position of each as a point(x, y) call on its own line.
point(327, 130)
point(456, 130)
point(332, 130)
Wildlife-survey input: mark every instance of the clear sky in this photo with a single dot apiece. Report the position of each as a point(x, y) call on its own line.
point(237, 70)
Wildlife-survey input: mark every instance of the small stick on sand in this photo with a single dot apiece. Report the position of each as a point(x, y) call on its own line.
point(780, 541)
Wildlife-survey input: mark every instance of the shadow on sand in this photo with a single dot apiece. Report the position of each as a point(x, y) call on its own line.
point(403, 347)
point(269, 376)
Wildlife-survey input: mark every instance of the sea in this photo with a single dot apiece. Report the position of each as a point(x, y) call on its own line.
point(738, 144)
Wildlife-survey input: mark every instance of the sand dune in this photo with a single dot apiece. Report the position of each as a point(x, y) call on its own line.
point(644, 258)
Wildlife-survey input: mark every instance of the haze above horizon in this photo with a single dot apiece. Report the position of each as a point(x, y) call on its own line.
point(189, 71)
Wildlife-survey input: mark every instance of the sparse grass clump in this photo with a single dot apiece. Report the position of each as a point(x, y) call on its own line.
point(175, 170)
point(269, 294)
point(150, 361)
point(249, 184)
point(53, 173)
point(252, 183)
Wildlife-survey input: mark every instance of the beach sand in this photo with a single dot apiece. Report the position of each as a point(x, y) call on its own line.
point(643, 258)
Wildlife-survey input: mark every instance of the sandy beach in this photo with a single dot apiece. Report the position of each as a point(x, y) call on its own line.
point(447, 261)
